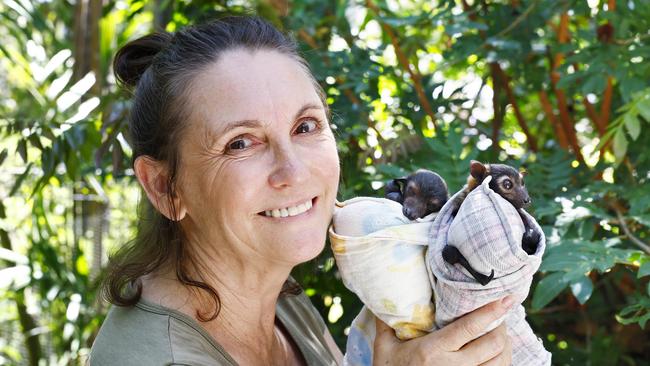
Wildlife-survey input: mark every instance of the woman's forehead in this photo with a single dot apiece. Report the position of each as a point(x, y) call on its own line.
point(248, 85)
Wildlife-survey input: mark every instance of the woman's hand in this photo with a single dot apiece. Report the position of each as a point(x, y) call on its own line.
point(459, 343)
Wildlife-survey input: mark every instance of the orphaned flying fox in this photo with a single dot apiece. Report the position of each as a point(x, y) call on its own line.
point(420, 194)
point(508, 182)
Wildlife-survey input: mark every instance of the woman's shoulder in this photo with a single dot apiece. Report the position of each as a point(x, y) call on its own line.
point(130, 336)
point(149, 334)
point(307, 329)
point(299, 311)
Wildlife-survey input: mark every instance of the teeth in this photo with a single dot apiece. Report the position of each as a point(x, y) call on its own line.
point(289, 211)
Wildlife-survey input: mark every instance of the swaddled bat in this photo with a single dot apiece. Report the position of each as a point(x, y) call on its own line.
point(420, 194)
point(508, 182)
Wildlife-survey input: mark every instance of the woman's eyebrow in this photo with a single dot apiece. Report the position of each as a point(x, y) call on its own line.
point(254, 123)
point(305, 108)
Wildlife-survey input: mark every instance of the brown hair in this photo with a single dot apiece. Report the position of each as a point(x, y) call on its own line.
point(159, 68)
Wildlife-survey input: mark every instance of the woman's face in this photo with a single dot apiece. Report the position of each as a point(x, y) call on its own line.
point(259, 168)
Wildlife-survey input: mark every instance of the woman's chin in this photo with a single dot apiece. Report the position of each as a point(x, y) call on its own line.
point(298, 251)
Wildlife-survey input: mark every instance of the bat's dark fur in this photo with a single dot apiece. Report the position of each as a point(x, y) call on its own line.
point(508, 182)
point(452, 255)
point(420, 194)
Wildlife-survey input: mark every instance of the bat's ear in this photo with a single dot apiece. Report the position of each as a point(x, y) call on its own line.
point(398, 182)
point(478, 170)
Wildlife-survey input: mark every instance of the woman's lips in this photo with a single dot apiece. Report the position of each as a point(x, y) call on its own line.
point(290, 211)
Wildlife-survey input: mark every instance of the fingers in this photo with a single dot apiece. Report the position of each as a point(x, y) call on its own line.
point(385, 336)
point(472, 325)
point(504, 358)
point(383, 330)
point(388, 350)
point(485, 348)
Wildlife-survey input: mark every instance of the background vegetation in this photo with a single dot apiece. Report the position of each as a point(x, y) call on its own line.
point(559, 87)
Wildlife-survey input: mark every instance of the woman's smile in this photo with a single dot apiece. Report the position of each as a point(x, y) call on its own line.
point(302, 209)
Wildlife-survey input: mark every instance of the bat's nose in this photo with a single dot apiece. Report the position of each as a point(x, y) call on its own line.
point(408, 213)
point(528, 201)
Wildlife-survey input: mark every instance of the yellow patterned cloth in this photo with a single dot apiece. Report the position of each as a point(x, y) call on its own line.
point(380, 255)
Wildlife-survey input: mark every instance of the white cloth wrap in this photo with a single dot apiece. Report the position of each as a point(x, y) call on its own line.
point(487, 230)
point(380, 256)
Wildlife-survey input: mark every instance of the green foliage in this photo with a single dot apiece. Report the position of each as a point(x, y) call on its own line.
point(416, 85)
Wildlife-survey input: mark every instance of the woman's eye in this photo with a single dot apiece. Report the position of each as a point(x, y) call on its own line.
point(308, 125)
point(239, 143)
point(507, 184)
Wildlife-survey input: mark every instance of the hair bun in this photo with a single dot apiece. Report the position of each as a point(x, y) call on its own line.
point(132, 60)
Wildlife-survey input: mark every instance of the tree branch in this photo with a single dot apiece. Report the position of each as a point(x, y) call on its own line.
point(505, 80)
point(591, 113)
point(518, 20)
point(406, 65)
point(565, 116)
point(557, 127)
point(606, 107)
point(621, 220)
point(497, 107)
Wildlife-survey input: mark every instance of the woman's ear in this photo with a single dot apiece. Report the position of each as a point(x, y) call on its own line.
point(154, 178)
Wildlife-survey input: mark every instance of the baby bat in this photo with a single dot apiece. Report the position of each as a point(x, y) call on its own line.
point(420, 194)
point(508, 182)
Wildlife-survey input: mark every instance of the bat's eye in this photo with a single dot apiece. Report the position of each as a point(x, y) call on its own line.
point(507, 184)
point(433, 204)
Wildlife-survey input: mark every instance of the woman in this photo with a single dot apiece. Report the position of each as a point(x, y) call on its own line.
point(233, 149)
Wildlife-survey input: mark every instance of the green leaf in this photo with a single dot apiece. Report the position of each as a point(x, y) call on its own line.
point(644, 270)
point(630, 86)
point(548, 288)
point(391, 171)
point(620, 145)
point(22, 149)
point(582, 289)
point(595, 83)
point(632, 125)
point(644, 109)
point(20, 179)
point(3, 156)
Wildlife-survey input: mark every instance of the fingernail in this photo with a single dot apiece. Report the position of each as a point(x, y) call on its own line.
point(507, 301)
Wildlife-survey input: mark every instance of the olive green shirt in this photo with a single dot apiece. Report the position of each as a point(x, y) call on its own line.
point(150, 334)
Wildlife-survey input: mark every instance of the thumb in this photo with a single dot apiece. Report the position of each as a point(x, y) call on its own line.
point(385, 335)
point(385, 342)
point(473, 324)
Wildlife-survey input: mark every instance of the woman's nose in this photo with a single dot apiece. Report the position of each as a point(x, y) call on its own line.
point(289, 169)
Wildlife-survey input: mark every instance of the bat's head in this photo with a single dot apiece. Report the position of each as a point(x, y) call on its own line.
point(507, 181)
point(425, 192)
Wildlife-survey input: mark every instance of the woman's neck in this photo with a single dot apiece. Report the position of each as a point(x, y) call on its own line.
point(245, 325)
